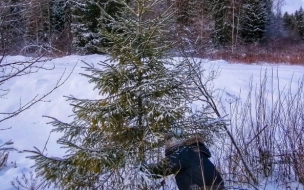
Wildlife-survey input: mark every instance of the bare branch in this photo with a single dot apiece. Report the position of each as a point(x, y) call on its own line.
point(37, 99)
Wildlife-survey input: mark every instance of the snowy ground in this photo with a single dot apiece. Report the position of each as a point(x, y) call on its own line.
point(30, 129)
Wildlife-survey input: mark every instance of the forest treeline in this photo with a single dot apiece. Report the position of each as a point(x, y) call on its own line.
point(60, 27)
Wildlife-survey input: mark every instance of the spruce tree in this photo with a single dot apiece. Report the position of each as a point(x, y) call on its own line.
point(288, 21)
point(222, 26)
point(58, 14)
point(87, 21)
point(254, 20)
point(299, 17)
point(60, 25)
point(142, 98)
point(84, 26)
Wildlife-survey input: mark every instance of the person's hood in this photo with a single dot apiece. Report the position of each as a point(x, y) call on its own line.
point(196, 142)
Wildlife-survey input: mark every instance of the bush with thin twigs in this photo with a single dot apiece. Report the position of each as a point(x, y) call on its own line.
point(28, 181)
point(268, 128)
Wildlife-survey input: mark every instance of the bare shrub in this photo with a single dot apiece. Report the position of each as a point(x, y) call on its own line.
point(28, 181)
point(291, 133)
point(4, 152)
point(268, 128)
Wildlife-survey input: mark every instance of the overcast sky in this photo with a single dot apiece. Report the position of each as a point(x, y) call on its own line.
point(292, 5)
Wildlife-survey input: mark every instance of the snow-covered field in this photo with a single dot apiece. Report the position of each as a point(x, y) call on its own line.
point(30, 128)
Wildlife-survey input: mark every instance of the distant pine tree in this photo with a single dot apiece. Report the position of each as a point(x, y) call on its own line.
point(142, 97)
point(84, 26)
point(299, 18)
point(58, 14)
point(222, 26)
point(288, 21)
point(254, 19)
point(86, 23)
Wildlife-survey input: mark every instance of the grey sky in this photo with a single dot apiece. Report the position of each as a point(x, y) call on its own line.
point(292, 5)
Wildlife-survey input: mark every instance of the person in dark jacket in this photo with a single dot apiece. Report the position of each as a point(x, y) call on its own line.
point(189, 161)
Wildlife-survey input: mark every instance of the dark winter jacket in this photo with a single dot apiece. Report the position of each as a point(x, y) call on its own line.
point(188, 160)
